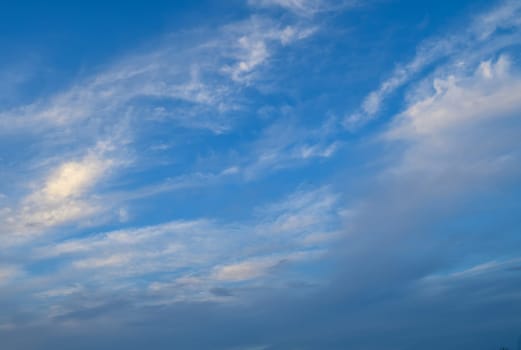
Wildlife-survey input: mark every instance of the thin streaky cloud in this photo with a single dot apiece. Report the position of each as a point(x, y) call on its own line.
point(454, 47)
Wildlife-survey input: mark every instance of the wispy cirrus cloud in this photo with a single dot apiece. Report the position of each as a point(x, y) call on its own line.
point(254, 268)
point(305, 8)
point(299, 7)
point(486, 99)
point(253, 42)
point(463, 49)
point(431, 214)
point(64, 195)
point(158, 84)
point(189, 259)
point(457, 143)
point(285, 144)
point(112, 104)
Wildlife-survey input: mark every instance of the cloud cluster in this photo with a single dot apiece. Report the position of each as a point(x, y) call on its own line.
point(186, 261)
point(138, 92)
point(464, 48)
point(63, 196)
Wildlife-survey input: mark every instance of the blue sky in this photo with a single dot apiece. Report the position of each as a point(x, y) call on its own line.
point(260, 174)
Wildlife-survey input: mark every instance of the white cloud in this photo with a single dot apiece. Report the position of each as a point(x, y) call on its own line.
point(254, 52)
point(462, 137)
point(252, 43)
point(304, 8)
point(115, 102)
point(298, 6)
point(450, 162)
point(505, 16)
point(257, 267)
point(284, 144)
point(110, 261)
point(186, 260)
point(439, 283)
point(73, 178)
point(245, 270)
point(63, 196)
point(301, 214)
point(459, 49)
point(61, 292)
point(200, 95)
point(491, 93)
